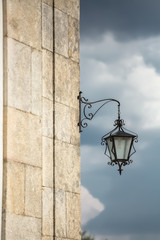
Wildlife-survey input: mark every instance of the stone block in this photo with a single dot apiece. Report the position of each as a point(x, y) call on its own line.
point(49, 2)
point(22, 137)
point(47, 27)
point(47, 166)
point(62, 122)
point(61, 5)
point(33, 191)
point(60, 213)
point(21, 227)
point(74, 69)
point(47, 238)
point(56, 238)
point(47, 216)
point(47, 118)
point(24, 21)
point(71, 7)
point(61, 33)
point(47, 74)
point(74, 8)
point(73, 215)
point(14, 176)
point(74, 73)
point(66, 120)
point(19, 75)
point(67, 167)
point(75, 135)
point(61, 79)
point(66, 83)
point(36, 82)
point(73, 39)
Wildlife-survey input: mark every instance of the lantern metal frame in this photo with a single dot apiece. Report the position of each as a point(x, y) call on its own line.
point(119, 123)
point(87, 115)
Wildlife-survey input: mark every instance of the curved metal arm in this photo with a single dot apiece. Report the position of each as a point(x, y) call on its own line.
point(88, 105)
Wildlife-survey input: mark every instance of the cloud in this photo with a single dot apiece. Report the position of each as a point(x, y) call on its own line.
point(91, 156)
point(128, 237)
point(129, 71)
point(104, 237)
point(132, 200)
point(91, 206)
point(145, 236)
point(125, 19)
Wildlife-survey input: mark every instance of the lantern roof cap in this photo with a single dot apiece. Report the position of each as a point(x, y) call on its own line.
point(121, 133)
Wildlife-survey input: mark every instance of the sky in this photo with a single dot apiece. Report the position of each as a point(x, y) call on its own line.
point(120, 58)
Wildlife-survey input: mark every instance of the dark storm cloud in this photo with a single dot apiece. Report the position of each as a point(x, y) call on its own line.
point(124, 212)
point(129, 205)
point(130, 202)
point(111, 68)
point(126, 19)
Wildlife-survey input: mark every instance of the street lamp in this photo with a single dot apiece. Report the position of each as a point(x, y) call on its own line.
point(119, 144)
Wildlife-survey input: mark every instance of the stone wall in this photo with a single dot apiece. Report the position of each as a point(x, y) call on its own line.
point(67, 139)
point(41, 182)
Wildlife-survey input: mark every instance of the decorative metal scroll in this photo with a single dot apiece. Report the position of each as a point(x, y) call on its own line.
point(119, 123)
point(86, 114)
point(120, 164)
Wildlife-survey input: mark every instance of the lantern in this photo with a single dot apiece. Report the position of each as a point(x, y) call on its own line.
point(119, 145)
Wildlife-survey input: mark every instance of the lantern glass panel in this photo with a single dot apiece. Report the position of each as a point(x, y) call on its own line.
point(122, 145)
point(110, 148)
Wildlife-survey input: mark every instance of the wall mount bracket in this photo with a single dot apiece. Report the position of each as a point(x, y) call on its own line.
point(85, 107)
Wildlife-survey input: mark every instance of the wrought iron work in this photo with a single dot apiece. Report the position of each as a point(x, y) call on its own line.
point(117, 133)
point(88, 115)
point(119, 123)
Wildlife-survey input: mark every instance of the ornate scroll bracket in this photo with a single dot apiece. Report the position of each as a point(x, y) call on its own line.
point(85, 113)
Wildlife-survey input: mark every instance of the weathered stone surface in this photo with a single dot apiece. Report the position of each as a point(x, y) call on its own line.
point(74, 39)
point(75, 135)
point(22, 137)
point(74, 8)
point(66, 120)
point(47, 218)
point(56, 238)
point(61, 5)
point(47, 118)
point(19, 69)
point(33, 191)
point(36, 82)
point(62, 122)
point(47, 238)
point(27, 139)
point(47, 74)
point(14, 176)
point(47, 27)
point(47, 166)
point(73, 215)
point(61, 33)
point(66, 84)
point(24, 21)
point(60, 213)
point(21, 227)
point(71, 7)
point(49, 2)
point(74, 76)
point(67, 167)
point(61, 79)
point(74, 70)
